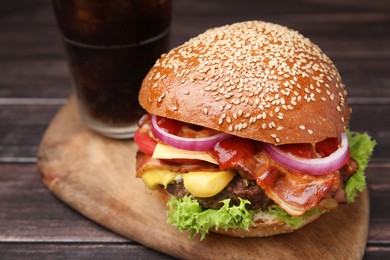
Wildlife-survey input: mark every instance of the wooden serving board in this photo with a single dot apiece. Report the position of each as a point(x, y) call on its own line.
point(96, 176)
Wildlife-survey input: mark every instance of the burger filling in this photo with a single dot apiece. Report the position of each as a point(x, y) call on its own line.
point(212, 168)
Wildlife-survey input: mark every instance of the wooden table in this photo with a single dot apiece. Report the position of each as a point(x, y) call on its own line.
point(34, 84)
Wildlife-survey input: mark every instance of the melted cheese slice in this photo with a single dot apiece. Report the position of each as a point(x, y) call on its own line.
point(207, 184)
point(163, 151)
point(199, 184)
point(153, 178)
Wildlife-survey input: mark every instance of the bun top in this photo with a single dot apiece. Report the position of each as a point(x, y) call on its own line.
point(253, 79)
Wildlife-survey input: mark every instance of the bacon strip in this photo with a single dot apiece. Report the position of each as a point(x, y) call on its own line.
point(294, 192)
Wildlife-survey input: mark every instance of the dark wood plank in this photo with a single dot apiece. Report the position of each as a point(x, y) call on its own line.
point(21, 129)
point(247, 8)
point(33, 214)
point(111, 251)
point(28, 32)
point(365, 77)
point(376, 253)
point(379, 192)
point(36, 251)
point(69, 250)
point(373, 119)
point(35, 78)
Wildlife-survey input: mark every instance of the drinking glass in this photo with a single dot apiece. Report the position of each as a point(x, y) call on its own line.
point(110, 46)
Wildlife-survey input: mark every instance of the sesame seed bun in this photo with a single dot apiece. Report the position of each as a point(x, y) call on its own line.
point(253, 79)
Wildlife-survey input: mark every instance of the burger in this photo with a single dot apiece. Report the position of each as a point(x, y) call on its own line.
point(246, 133)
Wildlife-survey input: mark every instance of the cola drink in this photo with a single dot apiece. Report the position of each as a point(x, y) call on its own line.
point(110, 46)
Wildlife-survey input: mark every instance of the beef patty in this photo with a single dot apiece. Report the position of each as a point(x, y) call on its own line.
point(237, 188)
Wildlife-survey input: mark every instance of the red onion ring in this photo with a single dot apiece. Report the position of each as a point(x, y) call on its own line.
point(316, 166)
point(193, 144)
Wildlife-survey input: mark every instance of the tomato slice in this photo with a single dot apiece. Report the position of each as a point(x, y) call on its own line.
point(327, 146)
point(145, 143)
point(298, 150)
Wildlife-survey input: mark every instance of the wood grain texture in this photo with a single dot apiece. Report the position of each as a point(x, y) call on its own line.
point(95, 175)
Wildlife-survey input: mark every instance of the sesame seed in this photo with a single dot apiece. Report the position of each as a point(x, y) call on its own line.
point(310, 131)
point(302, 127)
point(160, 98)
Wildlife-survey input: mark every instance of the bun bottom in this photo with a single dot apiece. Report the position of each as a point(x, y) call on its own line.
point(265, 224)
point(265, 228)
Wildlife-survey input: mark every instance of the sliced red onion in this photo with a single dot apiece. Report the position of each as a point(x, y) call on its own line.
point(143, 119)
point(193, 144)
point(316, 166)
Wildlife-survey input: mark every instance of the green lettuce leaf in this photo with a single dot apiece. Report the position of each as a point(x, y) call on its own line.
point(294, 222)
point(186, 214)
point(361, 147)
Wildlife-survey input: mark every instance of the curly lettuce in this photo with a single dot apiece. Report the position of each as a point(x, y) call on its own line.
point(294, 222)
point(186, 214)
point(361, 147)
